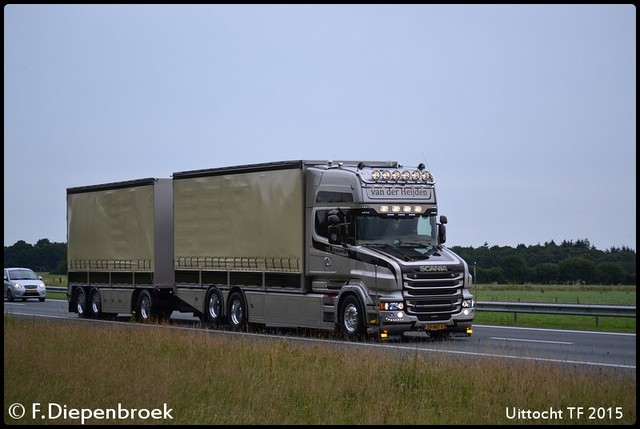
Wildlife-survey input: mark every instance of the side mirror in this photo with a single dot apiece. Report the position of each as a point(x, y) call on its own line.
point(442, 230)
point(334, 229)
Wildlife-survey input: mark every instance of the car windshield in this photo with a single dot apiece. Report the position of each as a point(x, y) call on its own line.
point(399, 232)
point(22, 275)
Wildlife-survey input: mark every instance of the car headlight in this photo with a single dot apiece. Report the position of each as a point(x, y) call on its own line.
point(391, 306)
point(17, 286)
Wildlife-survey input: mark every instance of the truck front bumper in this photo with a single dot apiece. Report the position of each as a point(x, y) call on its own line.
point(398, 322)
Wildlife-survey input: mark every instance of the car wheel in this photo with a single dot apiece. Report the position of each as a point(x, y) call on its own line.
point(10, 295)
point(41, 299)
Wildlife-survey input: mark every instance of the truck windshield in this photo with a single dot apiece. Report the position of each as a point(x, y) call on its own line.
point(400, 232)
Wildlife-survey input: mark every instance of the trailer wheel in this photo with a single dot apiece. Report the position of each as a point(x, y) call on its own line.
point(213, 307)
point(144, 307)
point(237, 312)
point(81, 303)
point(351, 318)
point(95, 302)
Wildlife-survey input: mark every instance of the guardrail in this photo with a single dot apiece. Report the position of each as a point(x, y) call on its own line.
point(558, 309)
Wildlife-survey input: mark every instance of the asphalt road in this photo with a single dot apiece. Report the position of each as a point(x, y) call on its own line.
point(582, 348)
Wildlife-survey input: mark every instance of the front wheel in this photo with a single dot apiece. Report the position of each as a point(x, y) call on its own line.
point(10, 297)
point(237, 312)
point(352, 318)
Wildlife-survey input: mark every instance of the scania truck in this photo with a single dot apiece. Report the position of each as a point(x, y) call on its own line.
point(355, 247)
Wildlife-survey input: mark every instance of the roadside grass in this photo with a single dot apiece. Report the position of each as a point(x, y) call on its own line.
point(568, 294)
point(206, 378)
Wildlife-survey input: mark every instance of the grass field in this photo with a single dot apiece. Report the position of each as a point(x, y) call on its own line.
point(215, 379)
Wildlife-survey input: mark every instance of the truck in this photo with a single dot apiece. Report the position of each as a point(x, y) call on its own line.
point(354, 247)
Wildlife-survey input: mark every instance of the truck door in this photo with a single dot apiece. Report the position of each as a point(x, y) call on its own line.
point(328, 258)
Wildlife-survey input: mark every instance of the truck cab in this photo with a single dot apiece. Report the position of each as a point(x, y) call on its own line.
point(377, 236)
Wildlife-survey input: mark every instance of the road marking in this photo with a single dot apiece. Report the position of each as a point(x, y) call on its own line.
point(530, 341)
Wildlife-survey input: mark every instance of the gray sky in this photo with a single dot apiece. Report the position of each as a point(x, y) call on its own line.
point(525, 114)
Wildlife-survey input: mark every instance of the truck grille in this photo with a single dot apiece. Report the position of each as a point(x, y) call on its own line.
point(433, 296)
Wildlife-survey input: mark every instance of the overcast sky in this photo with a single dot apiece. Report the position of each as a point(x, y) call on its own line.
point(525, 114)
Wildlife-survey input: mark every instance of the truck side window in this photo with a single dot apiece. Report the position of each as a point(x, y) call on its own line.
point(323, 224)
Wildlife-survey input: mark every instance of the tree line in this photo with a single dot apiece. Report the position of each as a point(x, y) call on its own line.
point(567, 263)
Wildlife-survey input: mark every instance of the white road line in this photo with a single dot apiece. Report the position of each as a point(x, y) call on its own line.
point(530, 341)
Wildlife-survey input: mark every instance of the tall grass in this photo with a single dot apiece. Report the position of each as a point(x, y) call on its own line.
point(207, 378)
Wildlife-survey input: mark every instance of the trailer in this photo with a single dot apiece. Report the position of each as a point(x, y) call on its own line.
point(351, 246)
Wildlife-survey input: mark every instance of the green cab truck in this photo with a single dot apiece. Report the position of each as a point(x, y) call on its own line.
point(350, 246)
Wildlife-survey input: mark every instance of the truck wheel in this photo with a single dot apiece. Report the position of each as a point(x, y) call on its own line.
point(351, 318)
point(81, 303)
point(95, 302)
point(213, 308)
point(237, 312)
point(144, 307)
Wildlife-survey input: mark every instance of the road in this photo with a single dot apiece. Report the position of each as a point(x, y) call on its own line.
point(583, 348)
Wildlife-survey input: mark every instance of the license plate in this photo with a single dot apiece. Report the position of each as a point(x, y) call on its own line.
point(436, 327)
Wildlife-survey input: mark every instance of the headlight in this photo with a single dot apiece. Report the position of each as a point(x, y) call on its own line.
point(17, 286)
point(391, 306)
point(468, 303)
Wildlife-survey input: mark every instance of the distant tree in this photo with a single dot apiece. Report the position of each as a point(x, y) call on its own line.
point(546, 273)
point(45, 256)
point(577, 269)
point(609, 273)
point(514, 268)
point(18, 255)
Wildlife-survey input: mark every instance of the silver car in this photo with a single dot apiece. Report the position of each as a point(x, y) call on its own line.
point(23, 283)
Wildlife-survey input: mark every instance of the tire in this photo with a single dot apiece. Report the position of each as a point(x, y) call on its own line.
point(213, 308)
point(10, 297)
point(144, 307)
point(41, 299)
point(237, 312)
point(351, 317)
point(95, 304)
point(81, 303)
